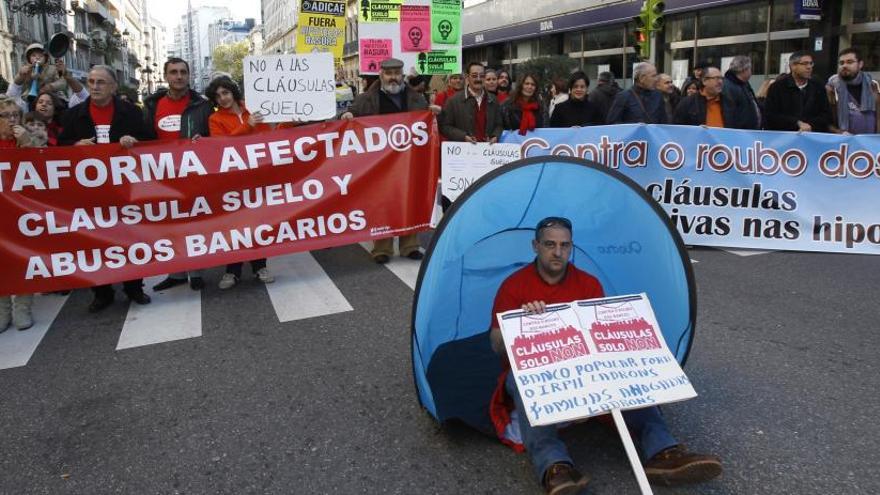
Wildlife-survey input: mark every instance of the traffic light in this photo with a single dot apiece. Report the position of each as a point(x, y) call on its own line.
point(650, 19)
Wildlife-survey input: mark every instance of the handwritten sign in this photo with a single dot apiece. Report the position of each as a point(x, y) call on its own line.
point(590, 357)
point(415, 28)
point(463, 163)
point(291, 87)
point(372, 53)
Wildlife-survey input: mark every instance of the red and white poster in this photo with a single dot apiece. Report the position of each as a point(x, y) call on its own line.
point(372, 53)
point(81, 216)
point(415, 28)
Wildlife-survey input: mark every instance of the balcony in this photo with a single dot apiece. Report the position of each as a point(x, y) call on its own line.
point(82, 38)
point(98, 8)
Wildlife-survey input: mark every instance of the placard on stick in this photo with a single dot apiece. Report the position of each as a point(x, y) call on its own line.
point(463, 163)
point(290, 86)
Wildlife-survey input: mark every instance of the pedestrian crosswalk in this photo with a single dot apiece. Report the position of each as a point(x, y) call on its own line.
point(302, 289)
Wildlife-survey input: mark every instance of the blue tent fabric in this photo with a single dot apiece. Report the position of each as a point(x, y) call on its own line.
point(621, 236)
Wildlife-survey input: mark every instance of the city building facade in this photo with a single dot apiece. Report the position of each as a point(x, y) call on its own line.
point(279, 25)
point(598, 34)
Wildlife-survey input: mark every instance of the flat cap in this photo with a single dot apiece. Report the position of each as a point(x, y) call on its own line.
point(391, 63)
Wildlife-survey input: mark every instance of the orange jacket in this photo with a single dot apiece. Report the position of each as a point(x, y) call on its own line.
point(224, 122)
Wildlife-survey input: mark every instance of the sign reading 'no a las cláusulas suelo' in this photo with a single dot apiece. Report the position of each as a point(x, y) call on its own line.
point(590, 357)
point(291, 87)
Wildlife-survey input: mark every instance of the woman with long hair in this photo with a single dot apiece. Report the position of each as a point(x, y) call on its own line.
point(50, 107)
point(524, 111)
point(577, 111)
point(232, 118)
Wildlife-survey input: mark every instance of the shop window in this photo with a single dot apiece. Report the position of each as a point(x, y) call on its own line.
point(603, 39)
point(573, 42)
point(866, 11)
point(550, 45)
point(734, 20)
point(867, 44)
point(680, 27)
point(594, 65)
point(783, 16)
point(781, 49)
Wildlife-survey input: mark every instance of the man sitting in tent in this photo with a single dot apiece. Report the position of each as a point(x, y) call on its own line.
point(549, 280)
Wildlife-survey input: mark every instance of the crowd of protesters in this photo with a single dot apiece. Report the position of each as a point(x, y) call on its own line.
point(476, 106)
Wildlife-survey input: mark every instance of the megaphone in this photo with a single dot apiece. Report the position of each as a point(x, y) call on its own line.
point(58, 45)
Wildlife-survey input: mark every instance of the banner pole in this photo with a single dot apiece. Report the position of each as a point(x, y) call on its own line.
point(634, 460)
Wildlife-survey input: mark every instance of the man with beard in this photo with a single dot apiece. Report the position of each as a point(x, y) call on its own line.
point(854, 96)
point(796, 101)
point(389, 95)
point(552, 279)
point(503, 85)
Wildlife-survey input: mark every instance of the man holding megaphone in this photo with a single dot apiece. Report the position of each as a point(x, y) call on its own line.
point(37, 74)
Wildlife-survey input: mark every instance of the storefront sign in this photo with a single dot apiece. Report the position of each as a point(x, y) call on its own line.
point(808, 10)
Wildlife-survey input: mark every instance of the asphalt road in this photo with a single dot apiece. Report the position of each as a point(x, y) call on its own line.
point(783, 360)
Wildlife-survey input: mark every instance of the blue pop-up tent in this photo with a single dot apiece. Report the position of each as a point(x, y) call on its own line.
point(621, 236)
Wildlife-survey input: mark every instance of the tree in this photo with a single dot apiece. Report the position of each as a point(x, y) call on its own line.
point(229, 59)
point(548, 68)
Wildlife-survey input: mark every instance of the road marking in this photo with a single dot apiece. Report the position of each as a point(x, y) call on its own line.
point(406, 269)
point(694, 261)
point(174, 314)
point(745, 252)
point(17, 347)
point(302, 289)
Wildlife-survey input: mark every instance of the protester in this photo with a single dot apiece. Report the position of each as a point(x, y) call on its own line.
point(51, 108)
point(419, 84)
point(503, 86)
point(389, 95)
point(670, 94)
point(691, 88)
point(551, 279)
point(473, 115)
point(696, 75)
point(524, 111)
point(558, 94)
point(577, 110)
point(716, 105)
point(14, 309)
point(172, 113)
point(603, 96)
point(641, 103)
point(52, 78)
point(737, 78)
point(232, 118)
point(490, 82)
point(104, 118)
point(854, 96)
point(796, 101)
point(454, 83)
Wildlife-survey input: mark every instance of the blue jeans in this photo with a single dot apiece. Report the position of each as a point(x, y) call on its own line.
point(545, 448)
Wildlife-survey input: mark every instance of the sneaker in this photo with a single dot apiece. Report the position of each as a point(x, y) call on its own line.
point(228, 281)
point(196, 283)
point(415, 255)
point(562, 479)
point(381, 259)
point(139, 297)
point(169, 283)
point(675, 466)
point(265, 275)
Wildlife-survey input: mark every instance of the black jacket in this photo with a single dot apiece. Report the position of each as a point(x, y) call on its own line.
point(603, 96)
point(128, 120)
point(193, 121)
point(511, 115)
point(636, 105)
point(459, 116)
point(733, 83)
point(573, 112)
point(786, 104)
point(738, 113)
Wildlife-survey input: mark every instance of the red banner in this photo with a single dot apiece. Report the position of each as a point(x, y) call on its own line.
point(80, 216)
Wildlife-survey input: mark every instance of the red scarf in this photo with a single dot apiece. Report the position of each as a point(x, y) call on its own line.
point(528, 122)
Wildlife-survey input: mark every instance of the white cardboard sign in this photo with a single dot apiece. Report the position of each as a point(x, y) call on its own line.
point(463, 163)
point(589, 357)
point(290, 87)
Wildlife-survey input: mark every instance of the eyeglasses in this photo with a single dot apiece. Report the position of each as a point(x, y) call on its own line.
point(553, 222)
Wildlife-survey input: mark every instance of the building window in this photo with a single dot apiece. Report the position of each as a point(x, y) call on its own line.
point(735, 20)
point(867, 44)
point(866, 11)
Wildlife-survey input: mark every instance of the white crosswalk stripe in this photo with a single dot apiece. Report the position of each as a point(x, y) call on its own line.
point(174, 314)
point(405, 269)
point(302, 289)
point(17, 347)
point(746, 252)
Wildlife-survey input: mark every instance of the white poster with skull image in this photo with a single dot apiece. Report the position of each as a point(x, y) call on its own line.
point(412, 40)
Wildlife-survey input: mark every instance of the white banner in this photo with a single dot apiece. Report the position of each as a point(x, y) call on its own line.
point(291, 87)
point(589, 357)
point(463, 163)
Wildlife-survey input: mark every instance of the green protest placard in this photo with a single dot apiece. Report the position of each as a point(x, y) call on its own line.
point(439, 62)
point(446, 21)
point(379, 10)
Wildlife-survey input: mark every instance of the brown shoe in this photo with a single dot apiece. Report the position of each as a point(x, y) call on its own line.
point(676, 465)
point(562, 479)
